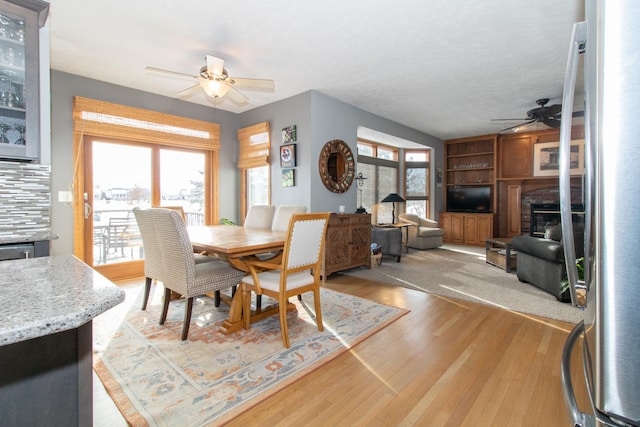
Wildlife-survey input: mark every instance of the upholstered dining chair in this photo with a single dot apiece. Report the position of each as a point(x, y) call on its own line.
point(180, 273)
point(297, 272)
point(283, 214)
point(259, 216)
point(152, 254)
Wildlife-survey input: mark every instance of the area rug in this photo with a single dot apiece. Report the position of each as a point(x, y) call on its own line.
point(461, 272)
point(156, 379)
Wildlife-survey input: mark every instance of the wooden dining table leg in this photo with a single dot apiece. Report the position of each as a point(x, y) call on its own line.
point(234, 322)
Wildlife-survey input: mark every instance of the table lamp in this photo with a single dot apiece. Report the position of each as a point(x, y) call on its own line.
point(393, 198)
point(360, 179)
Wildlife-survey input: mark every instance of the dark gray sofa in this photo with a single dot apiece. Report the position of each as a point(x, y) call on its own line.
point(540, 261)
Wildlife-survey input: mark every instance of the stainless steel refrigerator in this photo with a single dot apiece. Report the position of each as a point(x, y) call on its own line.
point(605, 48)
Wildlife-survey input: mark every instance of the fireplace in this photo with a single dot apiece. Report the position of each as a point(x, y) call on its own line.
point(544, 215)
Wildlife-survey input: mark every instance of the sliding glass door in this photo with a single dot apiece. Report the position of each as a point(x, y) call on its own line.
point(121, 175)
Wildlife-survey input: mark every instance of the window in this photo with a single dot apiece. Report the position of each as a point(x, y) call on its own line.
point(380, 166)
point(254, 150)
point(417, 183)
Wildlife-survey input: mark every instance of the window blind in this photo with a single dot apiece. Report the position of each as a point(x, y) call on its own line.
point(255, 145)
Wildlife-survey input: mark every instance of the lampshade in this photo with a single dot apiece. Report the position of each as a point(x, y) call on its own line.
point(393, 197)
point(214, 88)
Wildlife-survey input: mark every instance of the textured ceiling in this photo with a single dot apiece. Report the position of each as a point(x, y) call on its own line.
point(443, 67)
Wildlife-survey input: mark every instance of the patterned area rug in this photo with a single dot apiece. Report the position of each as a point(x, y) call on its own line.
point(156, 379)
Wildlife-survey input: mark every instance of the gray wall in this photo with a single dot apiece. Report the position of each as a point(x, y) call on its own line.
point(318, 119)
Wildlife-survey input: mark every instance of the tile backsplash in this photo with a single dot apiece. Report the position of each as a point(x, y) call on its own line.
point(25, 198)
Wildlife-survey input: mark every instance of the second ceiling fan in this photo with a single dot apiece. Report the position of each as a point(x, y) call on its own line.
point(548, 115)
point(216, 82)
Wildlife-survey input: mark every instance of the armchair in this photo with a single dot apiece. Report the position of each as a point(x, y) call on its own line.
point(423, 233)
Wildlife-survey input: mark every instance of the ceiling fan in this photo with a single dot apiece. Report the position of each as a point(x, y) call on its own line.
point(216, 82)
point(548, 115)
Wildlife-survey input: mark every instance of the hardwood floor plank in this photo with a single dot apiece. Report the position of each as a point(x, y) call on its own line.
point(447, 362)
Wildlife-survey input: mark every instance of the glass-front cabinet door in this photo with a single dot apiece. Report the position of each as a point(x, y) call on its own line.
point(20, 21)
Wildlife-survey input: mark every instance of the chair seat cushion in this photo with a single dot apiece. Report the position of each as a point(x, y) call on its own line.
point(430, 232)
point(270, 280)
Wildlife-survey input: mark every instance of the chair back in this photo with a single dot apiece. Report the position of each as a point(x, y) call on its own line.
point(178, 264)
point(283, 215)
point(259, 216)
point(178, 209)
point(304, 244)
point(150, 244)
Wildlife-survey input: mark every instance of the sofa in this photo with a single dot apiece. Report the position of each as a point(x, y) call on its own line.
point(422, 233)
point(540, 260)
point(390, 238)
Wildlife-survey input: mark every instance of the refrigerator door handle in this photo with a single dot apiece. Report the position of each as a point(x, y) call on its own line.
point(579, 419)
point(578, 39)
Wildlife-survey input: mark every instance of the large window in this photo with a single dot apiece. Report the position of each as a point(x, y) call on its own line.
point(417, 183)
point(255, 145)
point(380, 166)
point(386, 174)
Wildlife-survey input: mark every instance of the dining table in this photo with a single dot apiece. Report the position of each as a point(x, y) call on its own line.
point(236, 245)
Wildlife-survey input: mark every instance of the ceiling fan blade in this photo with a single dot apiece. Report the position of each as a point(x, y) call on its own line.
point(169, 72)
point(215, 65)
point(188, 91)
point(514, 128)
point(554, 109)
point(236, 97)
point(265, 84)
point(551, 122)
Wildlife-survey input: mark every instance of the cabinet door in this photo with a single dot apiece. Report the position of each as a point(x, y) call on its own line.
point(470, 230)
point(19, 76)
point(360, 245)
point(485, 228)
point(336, 247)
point(515, 156)
point(445, 224)
point(457, 228)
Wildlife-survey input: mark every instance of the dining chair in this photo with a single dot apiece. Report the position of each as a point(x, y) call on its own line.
point(259, 216)
point(180, 273)
point(283, 214)
point(152, 254)
point(297, 273)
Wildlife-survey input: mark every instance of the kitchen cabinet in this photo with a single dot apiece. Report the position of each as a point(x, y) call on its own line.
point(347, 243)
point(20, 22)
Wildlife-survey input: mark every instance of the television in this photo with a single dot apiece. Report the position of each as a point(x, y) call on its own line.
point(476, 199)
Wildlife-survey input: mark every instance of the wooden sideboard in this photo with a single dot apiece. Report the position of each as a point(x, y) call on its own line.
point(348, 243)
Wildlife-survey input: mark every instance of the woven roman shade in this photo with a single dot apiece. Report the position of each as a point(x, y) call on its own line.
point(255, 145)
point(99, 118)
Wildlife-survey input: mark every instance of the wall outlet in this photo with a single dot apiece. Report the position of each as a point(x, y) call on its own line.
point(65, 197)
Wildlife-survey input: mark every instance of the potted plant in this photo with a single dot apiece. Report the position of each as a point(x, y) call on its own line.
point(564, 284)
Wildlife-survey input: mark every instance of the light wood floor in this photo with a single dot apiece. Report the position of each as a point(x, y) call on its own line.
point(446, 363)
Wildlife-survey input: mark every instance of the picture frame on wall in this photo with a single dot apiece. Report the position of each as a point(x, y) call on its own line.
point(546, 156)
point(288, 156)
point(289, 134)
point(288, 178)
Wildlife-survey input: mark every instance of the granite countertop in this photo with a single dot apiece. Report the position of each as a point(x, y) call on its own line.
point(42, 296)
point(27, 236)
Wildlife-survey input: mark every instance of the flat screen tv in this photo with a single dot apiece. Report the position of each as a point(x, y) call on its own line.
point(475, 199)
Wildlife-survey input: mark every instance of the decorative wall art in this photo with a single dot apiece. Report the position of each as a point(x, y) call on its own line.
point(288, 177)
point(546, 156)
point(288, 156)
point(439, 177)
point(289, 134)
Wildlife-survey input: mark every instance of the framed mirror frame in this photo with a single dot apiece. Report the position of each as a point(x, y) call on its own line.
point(337, 166)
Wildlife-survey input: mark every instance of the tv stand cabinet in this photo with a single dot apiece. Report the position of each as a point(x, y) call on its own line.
point(468, 228)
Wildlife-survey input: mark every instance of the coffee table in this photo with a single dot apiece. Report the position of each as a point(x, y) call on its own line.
point(500, 253)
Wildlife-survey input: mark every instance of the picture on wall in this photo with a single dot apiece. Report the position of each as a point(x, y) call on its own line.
point(288, 177)
point(289, 134)
point(288, 156)
point(546, 157)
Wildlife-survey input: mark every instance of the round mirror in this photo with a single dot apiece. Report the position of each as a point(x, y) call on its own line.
point(337, 166)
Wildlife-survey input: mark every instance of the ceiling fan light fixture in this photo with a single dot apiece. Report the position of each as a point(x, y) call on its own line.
point(214, 88)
